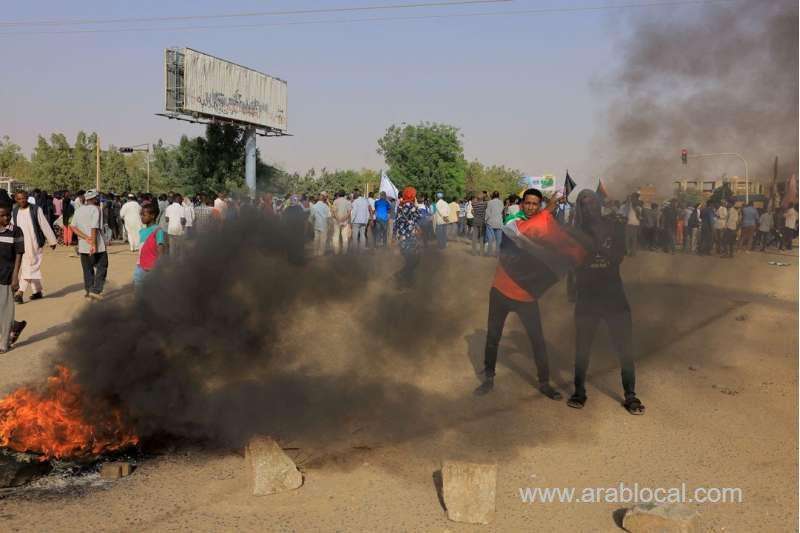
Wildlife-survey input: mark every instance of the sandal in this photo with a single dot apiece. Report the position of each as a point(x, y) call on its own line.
point(549, 391)
point(576, 402)
point(634, 406)
point(16, 331)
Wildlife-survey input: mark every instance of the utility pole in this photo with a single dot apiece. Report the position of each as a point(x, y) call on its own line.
point(97, 161)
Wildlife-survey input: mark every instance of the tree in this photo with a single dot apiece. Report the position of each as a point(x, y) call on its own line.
point(10, 156)
point(211, 164)
point(53, 165)
point(494, 178)
point(721, 193)
point(428, 156)
point(84, 162)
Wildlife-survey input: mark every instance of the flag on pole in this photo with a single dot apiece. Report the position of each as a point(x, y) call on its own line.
point(601, 190)
point(569, 185)
point(388, 187)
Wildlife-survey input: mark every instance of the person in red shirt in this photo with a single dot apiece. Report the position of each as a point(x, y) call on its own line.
point(535, 251)
point(153, 244)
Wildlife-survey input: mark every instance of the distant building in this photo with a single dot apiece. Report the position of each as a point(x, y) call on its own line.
point(647, 194)
point(706, 186)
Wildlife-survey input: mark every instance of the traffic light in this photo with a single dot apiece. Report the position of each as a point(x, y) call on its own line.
point(685, 156)
point(126, 150)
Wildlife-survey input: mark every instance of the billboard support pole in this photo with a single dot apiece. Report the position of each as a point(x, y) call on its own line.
point(250, 160)
point(97, 163)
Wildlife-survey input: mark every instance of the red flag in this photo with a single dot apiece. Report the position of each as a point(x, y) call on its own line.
point(601, 190)
point(536, 252)
point(790, 193)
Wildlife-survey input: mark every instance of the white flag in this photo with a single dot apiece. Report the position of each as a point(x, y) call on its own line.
point(388, 187)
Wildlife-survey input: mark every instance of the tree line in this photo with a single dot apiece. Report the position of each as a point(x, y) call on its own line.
point(427, 156)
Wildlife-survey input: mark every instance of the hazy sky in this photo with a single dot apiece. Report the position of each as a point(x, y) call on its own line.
point(524, 89)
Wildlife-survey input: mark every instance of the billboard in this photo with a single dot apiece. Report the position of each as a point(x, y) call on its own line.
point(204, 86)
point(545, 183)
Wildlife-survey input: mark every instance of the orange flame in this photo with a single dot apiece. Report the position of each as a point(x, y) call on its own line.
point(53, 422)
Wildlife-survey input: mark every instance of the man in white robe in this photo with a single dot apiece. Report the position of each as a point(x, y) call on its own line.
point(131, 213)
point(37, 232)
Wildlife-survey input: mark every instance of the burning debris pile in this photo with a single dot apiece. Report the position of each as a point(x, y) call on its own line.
point(56, 422)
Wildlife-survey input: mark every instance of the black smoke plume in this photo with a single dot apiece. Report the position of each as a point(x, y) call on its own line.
point(721, 78)
point(234, 339)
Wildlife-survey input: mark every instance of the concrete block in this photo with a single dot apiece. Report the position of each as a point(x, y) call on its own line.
point(115, 470)
point(670, 518)
point(469, 491)
point(270, 469)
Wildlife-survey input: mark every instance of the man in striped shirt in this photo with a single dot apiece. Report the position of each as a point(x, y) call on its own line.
point(12, 247)
point(478, 222)
point(203, 213)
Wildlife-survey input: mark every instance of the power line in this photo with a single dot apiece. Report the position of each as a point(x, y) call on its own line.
point(78, 22)
point(522, 12)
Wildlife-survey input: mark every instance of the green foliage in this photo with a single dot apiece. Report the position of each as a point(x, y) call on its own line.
point(428, 156)
point(10, 156)
point(723, 192)
point(494, 178)
point(691, 197)
point(212, 163)
point(56, 165)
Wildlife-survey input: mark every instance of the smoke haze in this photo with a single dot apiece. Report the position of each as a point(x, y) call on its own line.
point(235, 340)
point(723, 81)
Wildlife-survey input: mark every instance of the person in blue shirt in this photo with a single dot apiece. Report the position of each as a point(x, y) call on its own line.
point(749, 222)
point(382, 209)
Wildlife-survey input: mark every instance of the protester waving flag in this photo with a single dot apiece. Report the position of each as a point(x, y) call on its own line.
point(569, 185)
point(388, 187)
point(535, 252)
point(601, 190)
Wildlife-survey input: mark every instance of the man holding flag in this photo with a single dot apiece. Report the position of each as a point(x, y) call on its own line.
point(535, 251)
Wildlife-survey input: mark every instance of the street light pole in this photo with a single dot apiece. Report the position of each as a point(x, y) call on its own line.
point(746, 169)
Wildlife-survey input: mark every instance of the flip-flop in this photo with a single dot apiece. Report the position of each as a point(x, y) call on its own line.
point(550, 392)
point(576, 402)
point(634, 406)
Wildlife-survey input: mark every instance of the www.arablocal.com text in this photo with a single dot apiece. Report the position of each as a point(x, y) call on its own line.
point(631, 494)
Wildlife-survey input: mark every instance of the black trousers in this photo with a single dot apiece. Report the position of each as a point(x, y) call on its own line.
point(528, 312)
point(95, 268)
point(788, 237)
point(620, 329)
point(405, 276)
point(730, 242)
point(706, 240)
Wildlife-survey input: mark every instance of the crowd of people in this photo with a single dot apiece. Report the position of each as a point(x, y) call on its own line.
point(353, 222)
point(585, 241)
point(718, 227)
point(347, 222)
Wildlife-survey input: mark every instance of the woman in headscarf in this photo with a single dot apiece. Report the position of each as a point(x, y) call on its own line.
point(600, 297)
point(406, 231)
